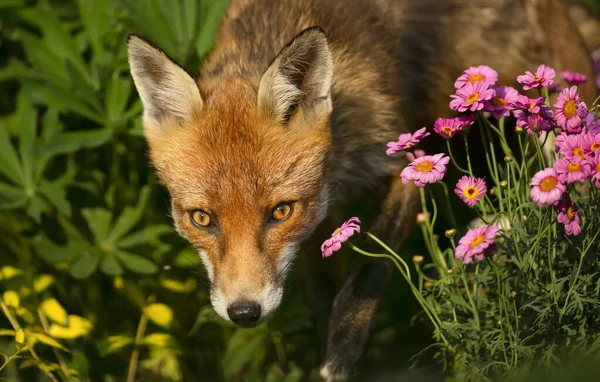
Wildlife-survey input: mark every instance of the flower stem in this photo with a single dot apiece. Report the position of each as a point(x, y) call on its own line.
point(453, 160)
point(135, 355)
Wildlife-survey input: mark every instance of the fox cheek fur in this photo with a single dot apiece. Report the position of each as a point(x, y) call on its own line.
point(235, 150)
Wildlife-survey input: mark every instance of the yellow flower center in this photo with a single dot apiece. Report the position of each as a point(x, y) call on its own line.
point(472, 98)
point(498, 102)
point(471, 192)
point(570, 213)
point(531, 106)
point(570, 109)
point(578, 152)
point(475, 78)
point(595, 146)
point(598, 167)
point(337, 231)
point(447, 130)
point(548, 184)
point(424, 166)
point(475, 242)
point(573, 167)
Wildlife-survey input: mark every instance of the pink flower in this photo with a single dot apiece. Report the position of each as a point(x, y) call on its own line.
point(596, 60)
point(574, 145)
point(473, 75)
point(598, 81)
point(406, 140)
point(568, 216)
point(499, 105)
point(476, 244)
point(447, 127)
point(546, 187)
point(573, 78)
point(339, 236)
point(592, 124)
point(423, 217)
point(595, 163)
point(594, 144)
point(524, 104)
point(418, 153)
point(470, 189)
point(573, 169)
point(533, 123)
point(559, 141)
point(543, 77)
point(426, 169)
point(555, 88)
point(569, 110)
point(471, 96)
point(466, 120)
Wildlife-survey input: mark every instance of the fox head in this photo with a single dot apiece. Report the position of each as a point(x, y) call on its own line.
point(244, 160)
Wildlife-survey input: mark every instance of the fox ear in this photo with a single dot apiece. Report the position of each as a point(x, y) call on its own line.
point(300, 77)
point(166, 90)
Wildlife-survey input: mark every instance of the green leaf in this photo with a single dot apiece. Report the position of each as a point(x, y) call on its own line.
point(72, 141)
point(35, 208)
point(39, 55)
point(51, 125)
point(98, 220)
point(82, 88)
point(190, 21)
point(85, 265)
point(149, 21)
point(15, 69)
point(57, 195)
point(98, 18)
point(187, 258)
point(9, 161)
point(241, 349)
point(11, 197)
point(55, 35)
point(136, 263)
point(145, 235)
point(118, 92)
point(112, 344)
point(129, 217)
point(110, 265)
point(26, 117)
point(210, 25)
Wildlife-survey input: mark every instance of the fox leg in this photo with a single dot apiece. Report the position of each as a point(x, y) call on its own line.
point(355, 306)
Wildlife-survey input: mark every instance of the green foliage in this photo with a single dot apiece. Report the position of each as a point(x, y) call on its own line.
point(91, 272)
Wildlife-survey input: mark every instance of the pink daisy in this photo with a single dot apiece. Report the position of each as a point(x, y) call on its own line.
point(473, 75)
point(559, 141)
point(573, 169)
point(533, 123)
point(569, 110)
point(575, 145)
point(471, 96)
point(426, 169)
point(499, 105)
point(466, 120)
point(476, 244)
point(470, 189)
point(542, 77)
point(339, 236)
point(595, 163)
point(546, 187)
point(594, 144)
point(447, 127)
point(406, 140)
point(568, 216)
point(555, 88)
point(573, 78)
point(418, 153)
point(524, 104)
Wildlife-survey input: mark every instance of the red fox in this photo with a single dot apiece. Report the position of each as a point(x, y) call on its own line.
point(288, 125)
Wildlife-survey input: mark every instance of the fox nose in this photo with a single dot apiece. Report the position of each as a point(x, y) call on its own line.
point(244, 313)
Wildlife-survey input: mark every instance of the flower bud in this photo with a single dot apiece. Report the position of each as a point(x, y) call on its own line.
point(422, 217)
point(508, 159)
point(428, 284)
point(504, 183)
point(518, 130)
point(449, 271)
point(512, 294)
point(499, 323)
point(450, 233)
point(417, 259)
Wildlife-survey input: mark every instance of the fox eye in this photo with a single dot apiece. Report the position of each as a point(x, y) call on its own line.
point(200, 218)
point(282, 211)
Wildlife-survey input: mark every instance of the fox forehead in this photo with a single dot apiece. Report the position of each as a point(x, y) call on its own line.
point(231, 151)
